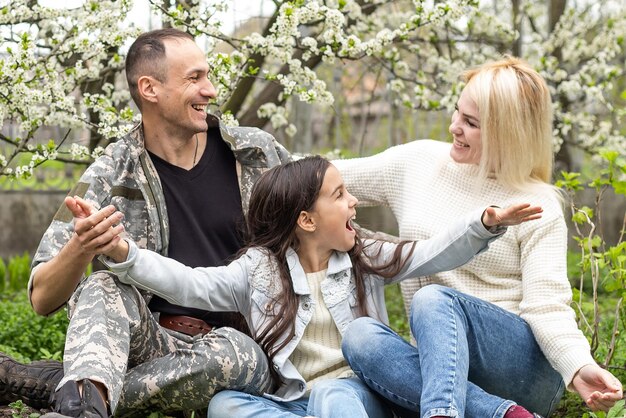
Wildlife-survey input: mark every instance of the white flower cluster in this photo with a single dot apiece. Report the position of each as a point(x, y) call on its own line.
point(229, 119)
point(276, 114)
point(48, 57)
point(583, 78)
point(79, 152)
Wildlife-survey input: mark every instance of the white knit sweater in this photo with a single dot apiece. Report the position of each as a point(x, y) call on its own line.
point(318, 355)
point(523, 272)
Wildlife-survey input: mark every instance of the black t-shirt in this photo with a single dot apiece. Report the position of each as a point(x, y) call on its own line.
point(206, 218)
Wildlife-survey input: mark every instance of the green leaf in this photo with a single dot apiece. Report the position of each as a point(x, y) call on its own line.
point(619, 187)
point(609, 155)
point(579, 218)
point(617, 411)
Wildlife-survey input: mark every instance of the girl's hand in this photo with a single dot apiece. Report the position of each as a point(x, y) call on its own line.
point(513, 215)
point(98, 232)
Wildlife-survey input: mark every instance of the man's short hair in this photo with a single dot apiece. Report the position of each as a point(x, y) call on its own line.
point(146, 56)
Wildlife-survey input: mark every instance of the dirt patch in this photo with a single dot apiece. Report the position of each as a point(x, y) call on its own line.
point(23, 412)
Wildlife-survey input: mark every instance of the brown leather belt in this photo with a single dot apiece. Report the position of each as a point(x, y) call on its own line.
point(185, 324)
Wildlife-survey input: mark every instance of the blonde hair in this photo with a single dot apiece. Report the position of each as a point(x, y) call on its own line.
point(515, 111)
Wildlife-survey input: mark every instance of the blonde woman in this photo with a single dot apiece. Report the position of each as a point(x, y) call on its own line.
point(499, 328)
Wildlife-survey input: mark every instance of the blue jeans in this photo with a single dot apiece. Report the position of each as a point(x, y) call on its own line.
point(340, 398)
point(472, 359)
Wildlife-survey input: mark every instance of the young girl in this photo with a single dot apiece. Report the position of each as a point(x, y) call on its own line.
point(303, 277)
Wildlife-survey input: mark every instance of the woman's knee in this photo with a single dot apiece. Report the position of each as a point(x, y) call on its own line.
point(429, 297)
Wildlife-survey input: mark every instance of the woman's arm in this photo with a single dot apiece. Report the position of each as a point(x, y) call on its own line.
point(365, 177)
point(598, 387)
point(545, 307)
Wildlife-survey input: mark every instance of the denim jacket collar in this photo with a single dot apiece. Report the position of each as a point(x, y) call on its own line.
point(338, 262)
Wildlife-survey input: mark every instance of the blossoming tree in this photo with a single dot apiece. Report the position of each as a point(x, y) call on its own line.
point(63, 67)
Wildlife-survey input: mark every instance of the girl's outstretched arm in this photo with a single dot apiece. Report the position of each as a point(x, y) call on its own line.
point(222, 288)
point(464, 239)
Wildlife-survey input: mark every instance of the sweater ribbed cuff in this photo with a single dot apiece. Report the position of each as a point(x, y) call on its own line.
point(569, 363)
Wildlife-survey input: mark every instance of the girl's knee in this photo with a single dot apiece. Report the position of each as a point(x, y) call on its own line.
point(364, 344)
point(328, 388)
point(358, 334)
point(224, 404)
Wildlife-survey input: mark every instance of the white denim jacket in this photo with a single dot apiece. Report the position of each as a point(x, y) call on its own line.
point(251, 286)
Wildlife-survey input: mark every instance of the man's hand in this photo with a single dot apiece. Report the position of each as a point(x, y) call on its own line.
point(97, 232)
point(513, 215)
point(598, 387)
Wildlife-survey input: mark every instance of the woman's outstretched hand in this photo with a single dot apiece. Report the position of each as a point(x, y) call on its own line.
point(513, 215)
point(598, 387)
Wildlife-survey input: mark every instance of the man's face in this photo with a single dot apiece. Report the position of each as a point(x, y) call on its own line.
point(186, 92)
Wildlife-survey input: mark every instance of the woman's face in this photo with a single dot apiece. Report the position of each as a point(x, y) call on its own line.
point(465, 130)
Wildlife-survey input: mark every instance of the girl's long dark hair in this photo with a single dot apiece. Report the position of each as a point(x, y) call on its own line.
point(276, 201)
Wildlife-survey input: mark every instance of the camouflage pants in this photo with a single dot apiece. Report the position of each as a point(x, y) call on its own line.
point(113, 338)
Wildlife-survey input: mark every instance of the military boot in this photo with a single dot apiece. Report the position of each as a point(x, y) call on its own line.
point(67, 402)
point(31, 383)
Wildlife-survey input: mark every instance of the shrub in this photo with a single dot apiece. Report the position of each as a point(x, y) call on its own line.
point(26, 335)
point(602, 267)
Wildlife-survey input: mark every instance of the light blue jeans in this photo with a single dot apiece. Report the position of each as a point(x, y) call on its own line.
point(337, 398)
point(473, 359)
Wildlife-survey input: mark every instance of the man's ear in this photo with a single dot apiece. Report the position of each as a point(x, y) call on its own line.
point(306, 221)
point(147, 89)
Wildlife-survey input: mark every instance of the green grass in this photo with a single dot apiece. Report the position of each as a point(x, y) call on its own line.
point(26, 335)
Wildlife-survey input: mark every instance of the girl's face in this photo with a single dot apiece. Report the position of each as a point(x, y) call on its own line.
point(465, 130)
point(333, 213)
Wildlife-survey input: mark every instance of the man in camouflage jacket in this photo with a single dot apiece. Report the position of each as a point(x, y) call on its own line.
point(115, 348)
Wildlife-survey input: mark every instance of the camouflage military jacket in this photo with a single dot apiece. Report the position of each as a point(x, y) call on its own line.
point(124, 176)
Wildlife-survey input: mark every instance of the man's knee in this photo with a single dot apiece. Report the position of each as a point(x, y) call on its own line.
point(100, 285)
point(103, 289)
point(105, 281)
point(243, 363)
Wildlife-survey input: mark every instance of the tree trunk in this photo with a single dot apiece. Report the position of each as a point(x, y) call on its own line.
point(517, 25)
point(563, 158)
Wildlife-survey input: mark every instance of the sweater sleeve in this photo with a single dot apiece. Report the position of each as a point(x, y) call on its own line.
point(384, 179)
point(368, 178)
point(547, 295)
